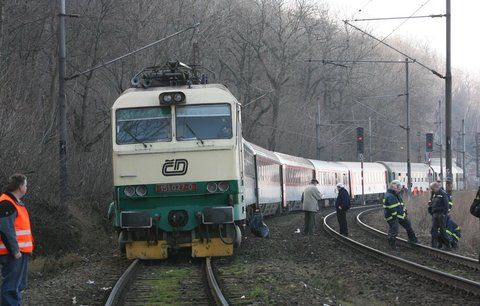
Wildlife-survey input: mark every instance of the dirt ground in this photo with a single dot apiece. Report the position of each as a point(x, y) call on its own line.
point(291, 269)
point(286, 269)
point(82, 277)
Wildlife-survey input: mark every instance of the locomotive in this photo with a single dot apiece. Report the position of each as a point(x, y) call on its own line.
point(184, 177)
point(177, 165)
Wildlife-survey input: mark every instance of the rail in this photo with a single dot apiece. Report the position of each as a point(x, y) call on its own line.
point(436, 275)
point(121, 284)
point(451, 257)
point(212, 283)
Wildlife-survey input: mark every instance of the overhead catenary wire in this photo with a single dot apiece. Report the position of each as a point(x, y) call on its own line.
point(256, 99)
point(396, 18)
point(403, 22)
point(361, 8)
point(396, 28)
point(397, 50)
point(132, 52)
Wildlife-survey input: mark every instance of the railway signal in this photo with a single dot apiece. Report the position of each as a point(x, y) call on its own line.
point(429, 142)
point(360, 140)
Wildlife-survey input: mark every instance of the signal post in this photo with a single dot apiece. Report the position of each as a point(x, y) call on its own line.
point(429, 150)
point(360, 151)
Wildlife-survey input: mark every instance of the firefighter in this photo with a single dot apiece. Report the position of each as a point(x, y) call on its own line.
point(439, 210)
point(453, 232)
point(395, 214)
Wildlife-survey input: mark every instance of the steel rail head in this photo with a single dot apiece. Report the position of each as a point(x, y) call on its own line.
point(122, 282)
point(212, 283)
point(445, 278)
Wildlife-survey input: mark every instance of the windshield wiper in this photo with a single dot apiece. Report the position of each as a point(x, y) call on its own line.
point(134, 137)
point(193, 132)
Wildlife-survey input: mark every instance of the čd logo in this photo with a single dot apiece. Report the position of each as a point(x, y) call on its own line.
point(173, 167)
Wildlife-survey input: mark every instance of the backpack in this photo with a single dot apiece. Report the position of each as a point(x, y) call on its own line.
point(475, 207)
point(257, 226)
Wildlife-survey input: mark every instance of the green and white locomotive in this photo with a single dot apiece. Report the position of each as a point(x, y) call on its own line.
point(177, 165)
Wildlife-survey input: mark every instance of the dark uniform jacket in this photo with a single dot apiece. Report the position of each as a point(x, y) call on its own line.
point(393, 206)
point(450, 201)
point(8, 213)
point(440, 202)
point(343, 199)
point(453, 230)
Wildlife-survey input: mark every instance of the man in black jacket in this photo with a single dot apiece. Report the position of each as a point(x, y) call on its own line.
point(342, 204)
point(439, 210)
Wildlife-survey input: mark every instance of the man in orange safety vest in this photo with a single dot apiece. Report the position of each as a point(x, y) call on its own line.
point(16, 240)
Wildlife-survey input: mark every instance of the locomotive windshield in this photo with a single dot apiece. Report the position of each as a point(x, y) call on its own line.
point(211, 121)
point(141, 125)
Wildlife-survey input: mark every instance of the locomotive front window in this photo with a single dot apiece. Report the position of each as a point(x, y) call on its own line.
point(142, 125)
point(213, 121)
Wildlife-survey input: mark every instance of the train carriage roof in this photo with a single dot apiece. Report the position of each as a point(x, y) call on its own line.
point(295, 161)
point(320, 165)
point(455, 169)
point(401, 167)
point(356, 166)
point(257, 150)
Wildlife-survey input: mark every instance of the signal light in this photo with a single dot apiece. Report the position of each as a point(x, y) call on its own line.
point(429, 142)
point(360, 140)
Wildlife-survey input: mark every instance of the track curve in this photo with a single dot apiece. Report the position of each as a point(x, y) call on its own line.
point(467, 285)
point(451, 257)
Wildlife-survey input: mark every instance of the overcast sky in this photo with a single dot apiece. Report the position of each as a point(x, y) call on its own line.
point(465, 27)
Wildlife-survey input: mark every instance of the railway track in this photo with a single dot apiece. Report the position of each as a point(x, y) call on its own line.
point(157, 283)
point(449, 269)
point(447, 256)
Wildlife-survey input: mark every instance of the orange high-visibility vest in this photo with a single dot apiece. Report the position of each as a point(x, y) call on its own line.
point(22, 228)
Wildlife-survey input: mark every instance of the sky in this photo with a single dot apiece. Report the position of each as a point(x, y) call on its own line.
point(465, 46)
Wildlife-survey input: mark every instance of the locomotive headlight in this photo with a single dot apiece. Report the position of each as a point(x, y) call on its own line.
point(223, 186)
point(141, 190)
point(167, 99)
point(129, 191)
point(178, 97)
point(212, 187)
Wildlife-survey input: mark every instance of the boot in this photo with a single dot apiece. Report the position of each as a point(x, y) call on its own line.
point(392, 244)
point(413, 240)
point(434, 243)
point(447, 247)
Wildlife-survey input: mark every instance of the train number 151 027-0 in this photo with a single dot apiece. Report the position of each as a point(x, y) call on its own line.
point(180, 187)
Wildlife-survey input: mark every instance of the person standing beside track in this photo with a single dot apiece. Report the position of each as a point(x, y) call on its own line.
point(395, 214)
point(439, 209)
point(342, 205)
point(310, 199)
point(16, 243)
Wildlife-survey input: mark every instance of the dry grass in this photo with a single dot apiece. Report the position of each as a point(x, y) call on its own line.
point(470, 226)
point(50, 265)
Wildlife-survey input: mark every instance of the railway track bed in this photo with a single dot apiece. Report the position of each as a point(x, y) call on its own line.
point(184, 282)
point(448, 269)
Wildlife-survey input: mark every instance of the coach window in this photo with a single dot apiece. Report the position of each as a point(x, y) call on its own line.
point(211, 121)
point(142, 125)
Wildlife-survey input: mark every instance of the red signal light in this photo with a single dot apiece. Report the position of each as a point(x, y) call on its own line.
point(359, 138)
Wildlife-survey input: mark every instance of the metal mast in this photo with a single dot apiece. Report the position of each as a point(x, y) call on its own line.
point(62, 112)
point(448, 103)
